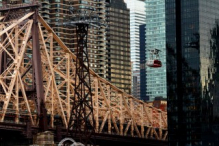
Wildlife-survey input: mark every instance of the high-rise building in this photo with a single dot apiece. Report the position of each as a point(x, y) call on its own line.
point(136, 84)
point(55, 12)
point(142, 40)
point(118, 45)
point(109, 55)
point(109, 47)
point(137, 18)
point(156, 39)
point(192, 33)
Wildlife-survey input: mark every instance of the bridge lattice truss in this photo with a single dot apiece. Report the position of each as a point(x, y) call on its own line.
point(115, 112)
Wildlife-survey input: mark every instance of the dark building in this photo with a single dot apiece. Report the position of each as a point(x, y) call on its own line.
point(118, 45)
point(192, 34)
point(160, 103)
point(135, 87)
point(142, 39)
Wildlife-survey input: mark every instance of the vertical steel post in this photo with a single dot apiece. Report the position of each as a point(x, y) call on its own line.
point(38, 75)
point(3, 59)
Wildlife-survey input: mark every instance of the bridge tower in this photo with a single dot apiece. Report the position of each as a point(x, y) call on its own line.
point(10, 11)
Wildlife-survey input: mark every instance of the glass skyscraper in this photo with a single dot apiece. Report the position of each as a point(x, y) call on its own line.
point(142, 63)
point(192, 33)
point(137, 18)
point(156, 39)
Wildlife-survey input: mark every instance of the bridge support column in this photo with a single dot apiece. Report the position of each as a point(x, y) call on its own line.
point(96, 106)
point(142, 121)
point(132, 123)
point(109, 116)
point(41, 109)
point(160, 133)
point(121, 120)
point(109, 123)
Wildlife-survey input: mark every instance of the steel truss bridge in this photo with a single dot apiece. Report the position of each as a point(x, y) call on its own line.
point(116, 113)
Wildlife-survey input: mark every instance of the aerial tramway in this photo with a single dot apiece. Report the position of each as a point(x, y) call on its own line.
point(154, 61)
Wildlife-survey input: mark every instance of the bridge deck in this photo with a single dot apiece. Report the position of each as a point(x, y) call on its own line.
point(11, 130)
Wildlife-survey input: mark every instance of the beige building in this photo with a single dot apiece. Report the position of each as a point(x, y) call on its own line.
point(118, 45)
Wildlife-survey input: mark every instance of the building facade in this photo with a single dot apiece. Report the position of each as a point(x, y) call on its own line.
point(192, 32)
point(118, 45)
point(55, 12)
point(108, 47)
point(142, 39)
point(156, 39)
point(136, 84)
point(137, 18)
